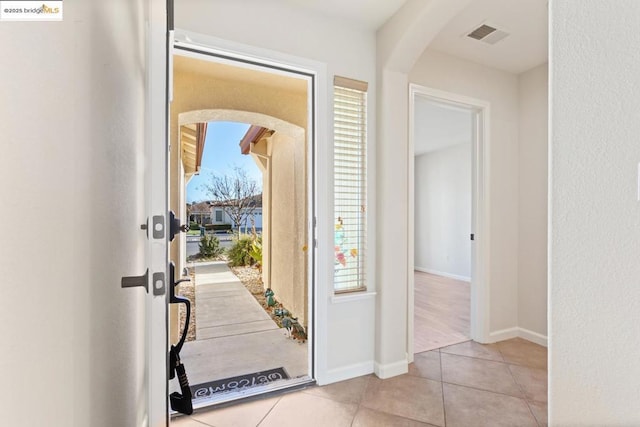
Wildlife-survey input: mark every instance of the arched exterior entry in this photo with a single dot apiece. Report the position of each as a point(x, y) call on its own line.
point(279, 152)
point(205, 92)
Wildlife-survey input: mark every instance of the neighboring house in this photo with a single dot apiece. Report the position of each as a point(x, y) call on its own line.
point(200, 213)
point(219, 215)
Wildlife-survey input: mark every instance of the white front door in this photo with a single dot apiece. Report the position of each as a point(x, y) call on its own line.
point(156, 201)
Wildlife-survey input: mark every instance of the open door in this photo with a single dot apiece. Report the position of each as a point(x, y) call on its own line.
point(160, 15)
point(157, 227)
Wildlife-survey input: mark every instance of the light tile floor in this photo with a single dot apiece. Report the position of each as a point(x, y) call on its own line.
point(467, 384)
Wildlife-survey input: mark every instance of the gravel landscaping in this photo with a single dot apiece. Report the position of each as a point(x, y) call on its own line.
point(250, 277)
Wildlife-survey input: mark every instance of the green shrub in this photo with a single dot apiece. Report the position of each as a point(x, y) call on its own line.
point(210, 247)
point(256, 251)
point(240, 253)
point(194, 226)
point(217, 227)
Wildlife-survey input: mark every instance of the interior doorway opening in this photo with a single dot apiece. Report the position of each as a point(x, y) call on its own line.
point(443, 136)
point(448, 293)
point(241, 143)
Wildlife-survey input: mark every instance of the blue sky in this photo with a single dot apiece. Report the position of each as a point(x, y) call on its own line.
point(221, 154)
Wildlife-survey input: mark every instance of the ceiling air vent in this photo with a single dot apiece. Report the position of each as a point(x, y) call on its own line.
point(488, 34)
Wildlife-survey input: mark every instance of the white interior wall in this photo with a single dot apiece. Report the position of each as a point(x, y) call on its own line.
point(443, 211)
point(71, 175)
point(594, 223)
point(532, 201)
point(346, 51)
point(400, 41)
point(444, 72)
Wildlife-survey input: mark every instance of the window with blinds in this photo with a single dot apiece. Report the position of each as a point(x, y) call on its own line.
point(350, 184)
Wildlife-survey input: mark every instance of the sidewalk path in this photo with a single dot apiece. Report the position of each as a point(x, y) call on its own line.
point(225, 306)
point(234, 335)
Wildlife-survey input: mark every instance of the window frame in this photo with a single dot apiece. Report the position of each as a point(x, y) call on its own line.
point(350, 150)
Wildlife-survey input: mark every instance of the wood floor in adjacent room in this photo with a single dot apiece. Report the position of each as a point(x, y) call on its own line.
point(441, 311)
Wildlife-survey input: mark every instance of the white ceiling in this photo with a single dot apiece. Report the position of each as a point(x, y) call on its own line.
point(439, 126)
point(525, 20)
point(525, 48)
point(369, 14)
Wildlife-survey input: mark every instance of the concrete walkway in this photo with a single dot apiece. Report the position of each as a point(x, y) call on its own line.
point(234, 335)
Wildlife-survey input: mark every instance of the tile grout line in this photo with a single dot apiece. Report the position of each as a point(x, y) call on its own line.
point(444, 346)
point(198, 421)
point(477, 358)
point(400, 416)
point(524, 396)
point(504, 362)
point(269, 411)
point(514, 379)
point(362, 393)
point(444, 407)
point(485, 390)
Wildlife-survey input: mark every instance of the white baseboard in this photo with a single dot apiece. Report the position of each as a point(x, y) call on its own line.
point(503, 334)
point(348, 372)
point(391, 369)
point(533, 337)
point(441, 273)
point(506, 334)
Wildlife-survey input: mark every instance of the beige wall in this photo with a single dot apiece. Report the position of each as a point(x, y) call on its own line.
point(73, 142)
point(594, 210)
point(284, 228)
point(532, 206)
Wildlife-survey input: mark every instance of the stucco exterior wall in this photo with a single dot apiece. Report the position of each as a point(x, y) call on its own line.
point(285, 237)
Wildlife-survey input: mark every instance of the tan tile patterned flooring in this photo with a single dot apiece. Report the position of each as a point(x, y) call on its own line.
point(467, 384)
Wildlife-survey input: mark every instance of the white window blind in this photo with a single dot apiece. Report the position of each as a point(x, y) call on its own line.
point(350, 184)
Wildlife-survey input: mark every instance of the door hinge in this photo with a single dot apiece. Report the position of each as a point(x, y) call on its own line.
point(473, 236)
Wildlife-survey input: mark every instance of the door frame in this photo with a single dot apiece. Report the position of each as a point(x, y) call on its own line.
point(319, 263)
point(480, 285)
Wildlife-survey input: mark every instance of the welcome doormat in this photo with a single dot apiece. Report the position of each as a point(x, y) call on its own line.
point(205, 390)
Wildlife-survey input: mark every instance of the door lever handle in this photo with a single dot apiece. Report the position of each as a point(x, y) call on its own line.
point(180, 401)
point(175, 227)
point(136, 281)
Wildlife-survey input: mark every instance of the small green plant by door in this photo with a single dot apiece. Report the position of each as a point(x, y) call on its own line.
point(210, 247)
